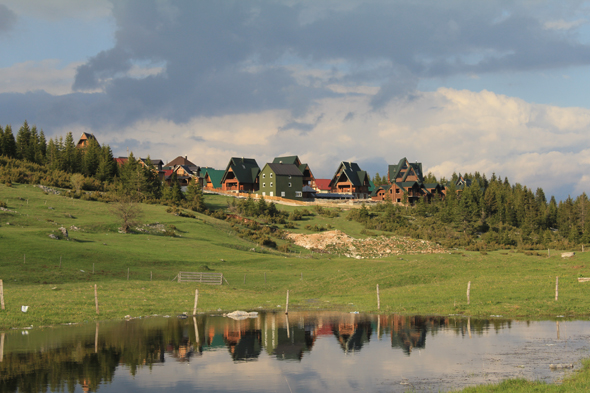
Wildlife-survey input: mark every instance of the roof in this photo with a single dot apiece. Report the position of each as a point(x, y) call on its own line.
point(121, 160)
point(215, 175)
point(180, 161)
point(285, 169)
point(394, 170)
point(353, 173)
point(384, 187)
point(287, 160)
point(323, 184)
point(245, 169)
point(307, 189)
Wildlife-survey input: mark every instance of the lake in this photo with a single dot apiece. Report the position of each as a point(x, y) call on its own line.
point(301, 352)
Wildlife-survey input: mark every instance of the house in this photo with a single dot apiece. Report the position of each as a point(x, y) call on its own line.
point(85, 140)
point(407, 183)
point(241, 175)
point(281, 180)
point(179, 161)
point(212, 178)
point(350, 179)
point(308, 178)
point(380, 192)
point(322, 186)
point(184, 175)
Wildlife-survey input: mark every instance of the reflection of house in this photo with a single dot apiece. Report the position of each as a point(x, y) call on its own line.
point(241, 175)
point(243, 344)
point(352, 336)
point(85, 140)
point(292, 344)
point(308, 178)
point(408, 333)
point(281, 180)
point(350, 179)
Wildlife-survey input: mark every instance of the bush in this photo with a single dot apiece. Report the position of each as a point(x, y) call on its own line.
point(284, 248)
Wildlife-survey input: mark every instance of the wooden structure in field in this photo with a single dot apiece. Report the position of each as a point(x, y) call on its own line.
point(407, 184)
point(241, 175)
point(204, 278)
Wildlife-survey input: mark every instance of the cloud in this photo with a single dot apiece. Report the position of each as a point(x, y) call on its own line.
point(46, 75)
point(7, 19)
point(60, 9)
point(564, 25)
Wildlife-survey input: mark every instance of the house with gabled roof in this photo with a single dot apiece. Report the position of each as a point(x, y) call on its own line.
point(241, 175)
point(281, 180)
point(85, 140)
point(308, 178)
point(350, 179)
point(323, 186)
point(211, 178)
point(407, 183)
point(179, 161)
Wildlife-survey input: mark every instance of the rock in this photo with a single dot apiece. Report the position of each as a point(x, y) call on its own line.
point(53, 236)
point(560, 366)
point(64, 231)
point(567, 254)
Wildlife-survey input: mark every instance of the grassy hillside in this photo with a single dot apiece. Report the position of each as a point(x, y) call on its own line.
point(505, 283)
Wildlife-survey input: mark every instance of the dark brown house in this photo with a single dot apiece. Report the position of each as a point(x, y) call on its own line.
point(350, 179)
point(241, 175)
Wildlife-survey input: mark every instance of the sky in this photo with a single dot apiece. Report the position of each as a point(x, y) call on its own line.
point(498, 87)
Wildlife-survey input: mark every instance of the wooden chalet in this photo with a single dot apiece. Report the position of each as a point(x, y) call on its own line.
point(407, 183)
point(241, 175)
point(379, 193)
point(184, 175)
point(322, 186)
point(308, 178)
point(85, 140)
point(212, 178)
point(350, 179)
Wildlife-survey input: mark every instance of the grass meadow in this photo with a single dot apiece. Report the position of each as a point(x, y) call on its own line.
point(134, 272)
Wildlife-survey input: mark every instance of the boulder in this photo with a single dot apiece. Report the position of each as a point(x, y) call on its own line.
point(52, 236)
point(567, 254)
point(64, 231)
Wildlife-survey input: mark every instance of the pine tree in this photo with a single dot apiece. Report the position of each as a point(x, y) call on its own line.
point(1, 141)
point(194, 196)
point(41, 151)
point(23, 138)
point(107, 167)
point(91, 158)
point(9, 143)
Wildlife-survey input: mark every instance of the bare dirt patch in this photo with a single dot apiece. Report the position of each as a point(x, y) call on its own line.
point(338, 242)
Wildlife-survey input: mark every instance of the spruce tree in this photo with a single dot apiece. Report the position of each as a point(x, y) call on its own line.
point(23, 138)
point(9, 143)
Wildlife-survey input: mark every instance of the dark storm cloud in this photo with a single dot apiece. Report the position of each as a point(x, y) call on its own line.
point(226, 57)
point(7, 19)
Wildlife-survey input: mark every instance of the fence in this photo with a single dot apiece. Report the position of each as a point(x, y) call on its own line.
point(205, 278)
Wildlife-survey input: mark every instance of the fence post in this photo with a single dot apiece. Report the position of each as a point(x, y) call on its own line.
point(378, 299)
point(556, 288)
point(1, 295)
point(196, 301)
point(468, 292)
point(96, 298)
point(287, 306)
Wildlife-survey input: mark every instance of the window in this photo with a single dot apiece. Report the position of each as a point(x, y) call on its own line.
point(263, 193)
point(263, 184)
point(298, 194)
point(263, 175)
point(271, 175)
point(289, 184)
point(283, 193)
point(289, 176)
point(271, 193)
point(271, 184)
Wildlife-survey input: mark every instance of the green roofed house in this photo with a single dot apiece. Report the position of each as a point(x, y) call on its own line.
point(308, 178)
point(407, 183)
point(281, 180)
point(350, 179)
point(241, 175)
point(212, 177)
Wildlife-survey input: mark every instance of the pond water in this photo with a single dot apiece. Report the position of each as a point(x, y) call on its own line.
point(304, 352)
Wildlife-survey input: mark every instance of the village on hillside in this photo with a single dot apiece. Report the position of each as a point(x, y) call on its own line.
point(288, 178)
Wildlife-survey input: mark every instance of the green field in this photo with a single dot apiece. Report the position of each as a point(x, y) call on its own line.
point(507, 283)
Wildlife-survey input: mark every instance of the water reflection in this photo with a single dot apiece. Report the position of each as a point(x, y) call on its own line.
point(88, 357)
